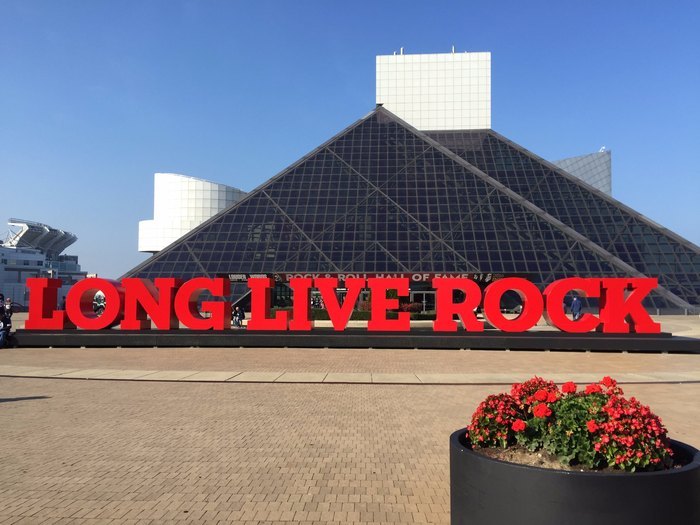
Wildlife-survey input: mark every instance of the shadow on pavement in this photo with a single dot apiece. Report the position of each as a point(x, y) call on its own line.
point(28, 398)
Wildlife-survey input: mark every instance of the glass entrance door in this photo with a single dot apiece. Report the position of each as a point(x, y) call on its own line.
point(427, 299)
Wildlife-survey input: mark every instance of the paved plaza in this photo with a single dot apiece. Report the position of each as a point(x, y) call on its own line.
point(157, 435)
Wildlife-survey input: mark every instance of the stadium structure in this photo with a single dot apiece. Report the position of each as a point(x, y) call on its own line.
point(33, 249)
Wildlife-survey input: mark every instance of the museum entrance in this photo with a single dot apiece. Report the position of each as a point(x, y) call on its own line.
point(426, 298)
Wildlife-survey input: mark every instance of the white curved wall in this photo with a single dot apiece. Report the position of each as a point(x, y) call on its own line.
point(180, 204)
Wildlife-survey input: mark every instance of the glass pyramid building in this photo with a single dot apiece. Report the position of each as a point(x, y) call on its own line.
point(382, 196)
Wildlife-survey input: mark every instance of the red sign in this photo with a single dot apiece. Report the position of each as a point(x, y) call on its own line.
point(169, 302)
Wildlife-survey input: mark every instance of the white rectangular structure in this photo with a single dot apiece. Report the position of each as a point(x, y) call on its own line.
point(443, 91)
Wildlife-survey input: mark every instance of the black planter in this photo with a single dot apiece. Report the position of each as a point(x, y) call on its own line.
point(486, 491)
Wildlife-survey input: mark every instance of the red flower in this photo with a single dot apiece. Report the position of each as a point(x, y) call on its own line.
point(541, 410)
point(608, 382)
point(623, 433)
point(519, 425)
point(541, 395)
point(524, 393)
point(568, 387)
point(593, 389)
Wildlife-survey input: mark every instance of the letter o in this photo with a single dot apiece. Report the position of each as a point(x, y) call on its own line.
point(79, 303)
point(533, 304)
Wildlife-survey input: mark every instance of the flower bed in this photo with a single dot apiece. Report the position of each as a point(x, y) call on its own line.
point(543, 454)
point(596, 428)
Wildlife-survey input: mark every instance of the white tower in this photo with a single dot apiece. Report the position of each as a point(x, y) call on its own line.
point(444, 91)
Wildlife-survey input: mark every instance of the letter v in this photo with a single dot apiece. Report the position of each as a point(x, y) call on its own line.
point(340, 315)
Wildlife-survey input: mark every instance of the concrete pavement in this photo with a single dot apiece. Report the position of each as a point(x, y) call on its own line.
point(222, 435)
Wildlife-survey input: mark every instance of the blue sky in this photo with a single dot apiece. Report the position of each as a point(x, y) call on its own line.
point(96, 96)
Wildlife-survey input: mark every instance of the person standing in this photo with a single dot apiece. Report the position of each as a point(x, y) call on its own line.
point(8, 307)
point(576, 307)
point(5, 322)
point(241, 315)
point(235, 317)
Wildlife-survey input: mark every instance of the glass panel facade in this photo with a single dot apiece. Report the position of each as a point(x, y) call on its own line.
point(624, 234)
point(383, 197)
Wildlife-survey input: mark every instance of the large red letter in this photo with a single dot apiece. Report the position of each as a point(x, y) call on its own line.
point(446, 308)
point(186, 304)
point(621, 312)
point(380, 304)
point(531, 297)
point(300, 314)
point(43, 297)
point(339, 316)
point(554, 296)
point(143, 299)
point(260, 300)
point(79, 305)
